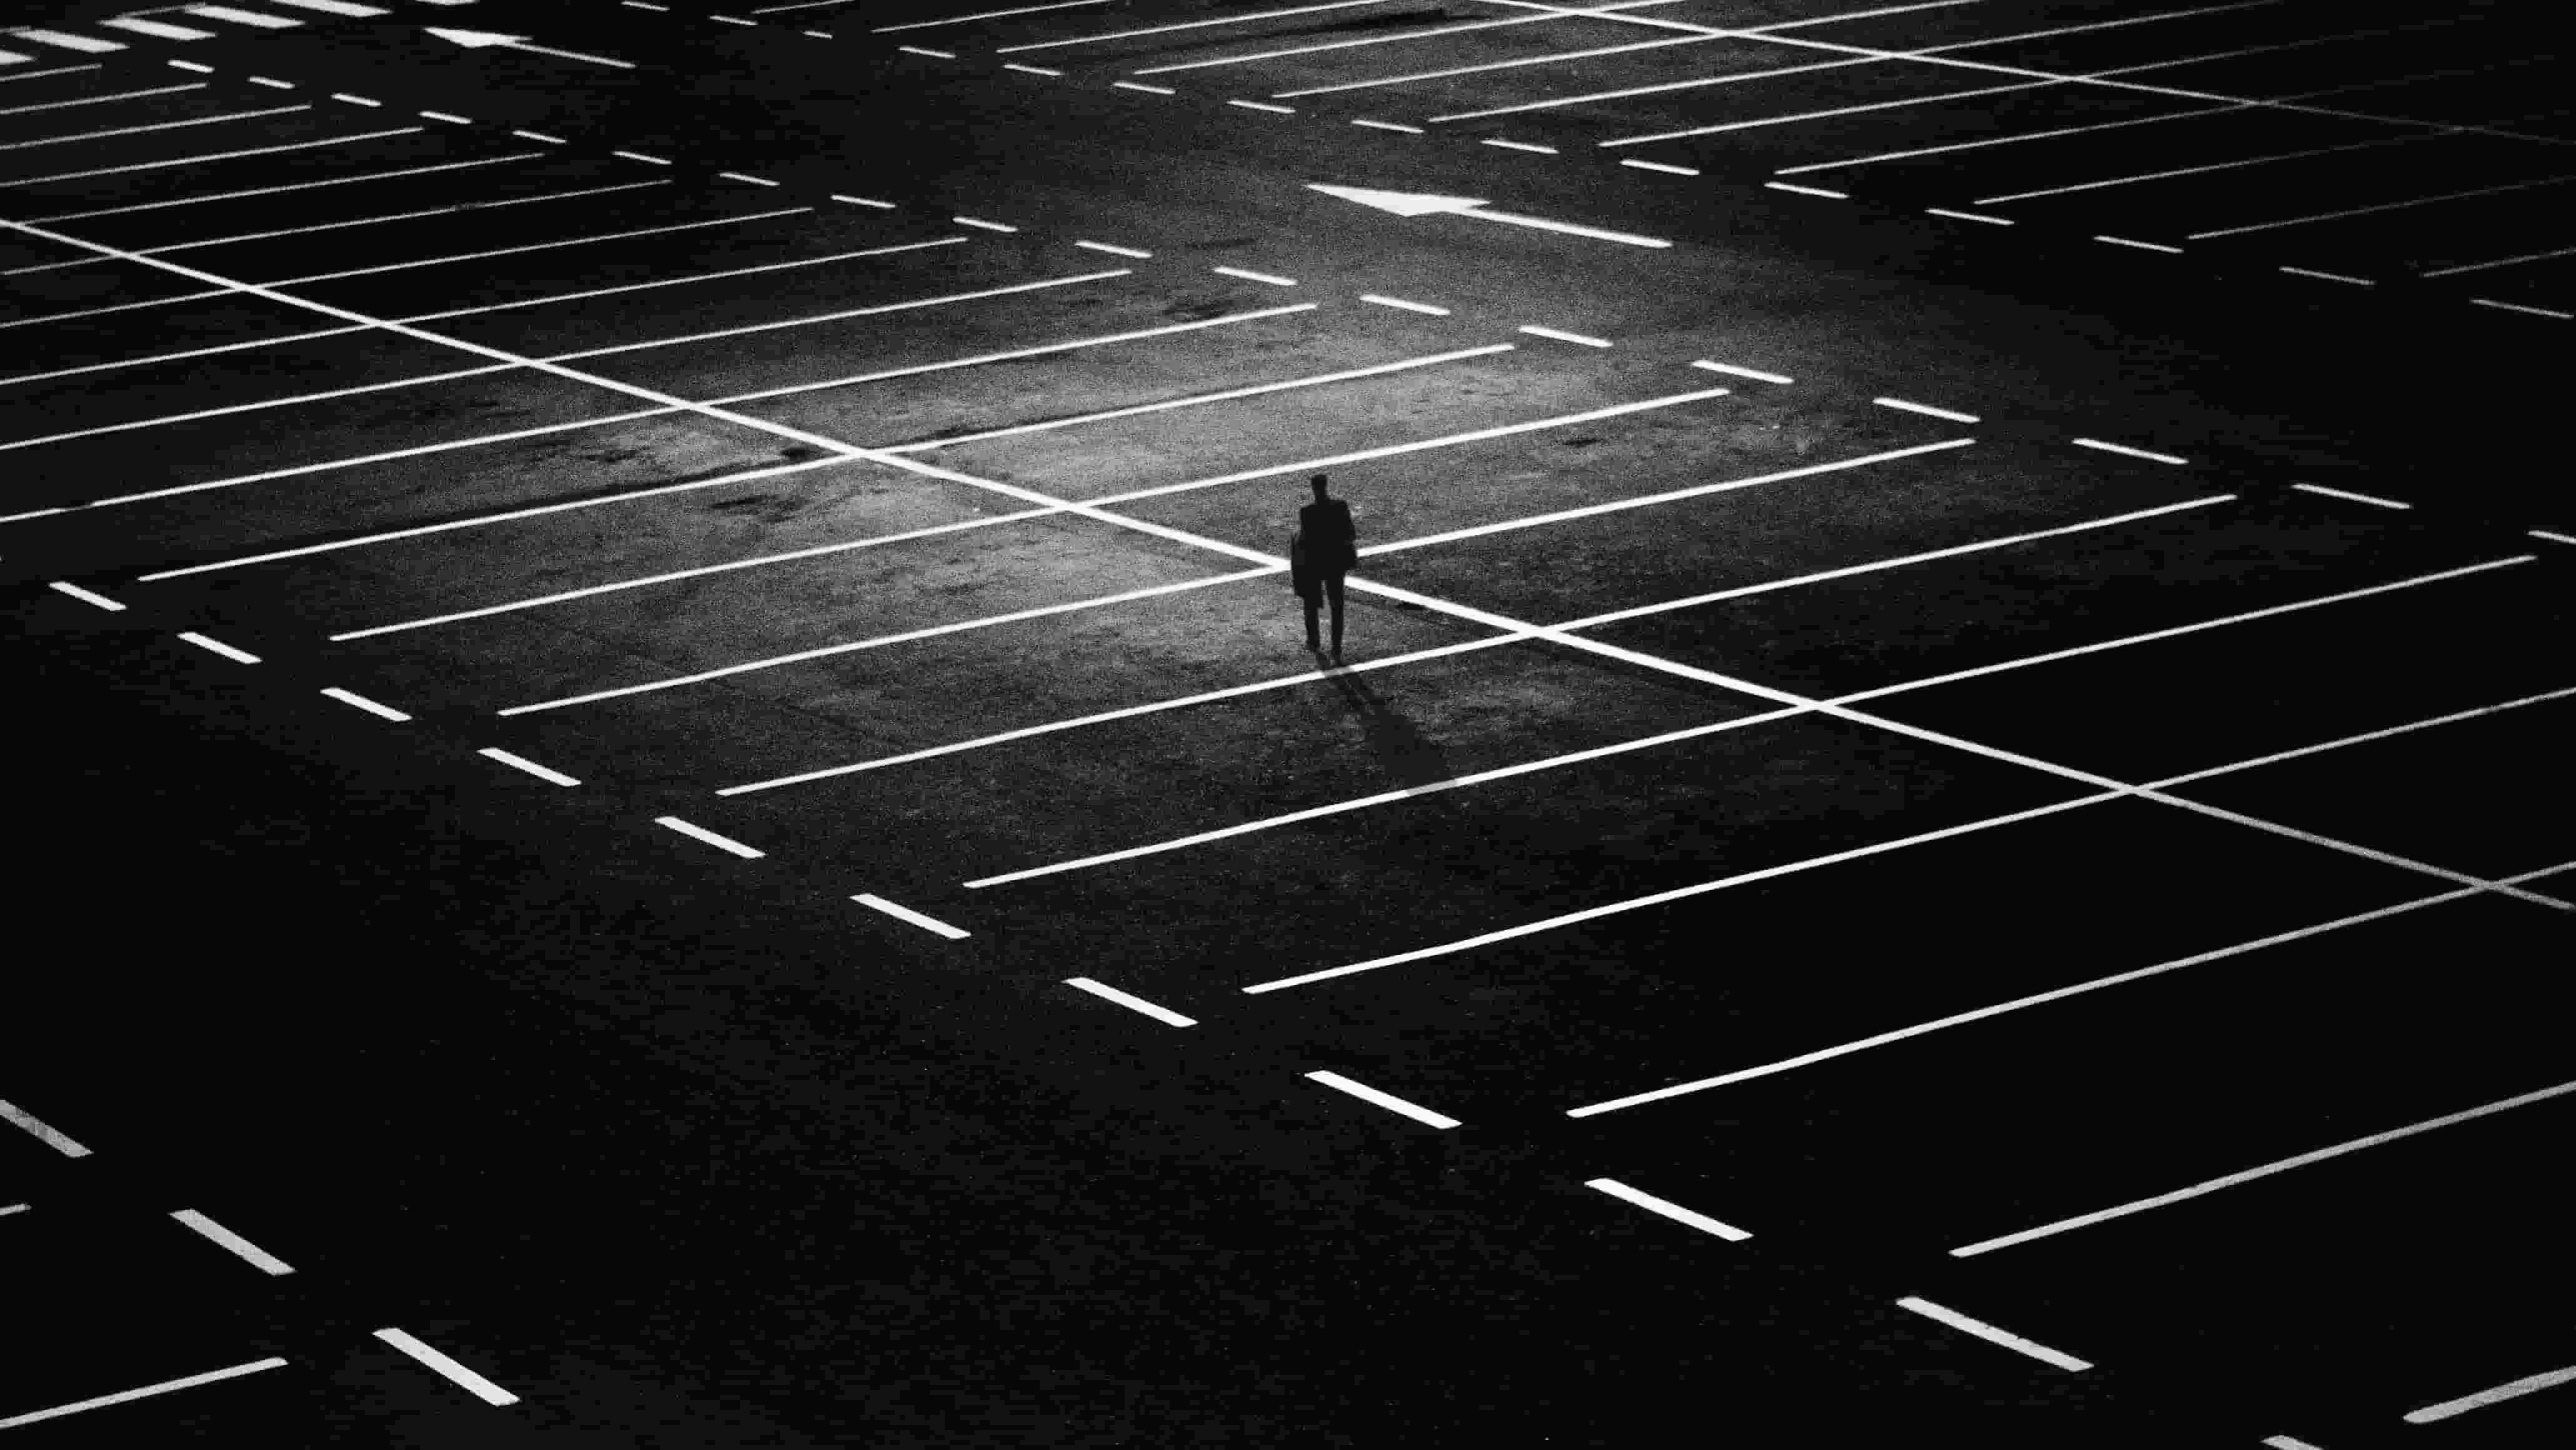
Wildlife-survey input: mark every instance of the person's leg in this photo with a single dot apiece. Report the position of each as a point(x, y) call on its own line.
point(1312, 602)
point(1333, 589)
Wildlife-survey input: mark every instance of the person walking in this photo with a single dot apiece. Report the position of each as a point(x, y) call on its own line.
point(1325, 548)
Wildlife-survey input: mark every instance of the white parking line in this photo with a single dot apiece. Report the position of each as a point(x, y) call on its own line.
point(2523, 307)
point(927, 51)
point(2500, 262)
point(1113, 251)
point(2099, 446)
point(85, 596)
point(908, 305)
point(1550, 58)
point(1667, 1208)
point(2017, 1004)
point(1730, 369)
point(1344, 807)
point(37, 1128)
point(1808, 190)
point(242, 17)
point(2329, 276)
point(906, 913)
point(69, 216)
point(1141, 86)
point(522, 763)
point(332, 7)
point(2134, 178)
point(1389, 126)
point(1189, 25)
point(1258, 56)
point(1697, 490)
point(7, 1209)
point(67, 41)
point(586, 294)
point(701, 833)
point(1131, 1002)
point(1991, 1334)
point(1577, 338)
point(1678, 893)
point(946, 19)
point(163, 1388)
point(1264, 106)
point(2351, 211)
point(1968, 216)
point(1181, 702)
point(212, 645)
point(157, 29)
point(1031, 70)
point(154, 126)
point(2141, 246)
point(828, 651)
point(204, 157)
point(264, 403)
point(2513, 1390)
point(723, 221)
point(2289, 1442)
point(1926, 410)
point(29, 75)
point(248, 1252)
point(1397, 302)
point(2283, 1165)
point(481, 1388)
point(353, 698)
point(1275, 281)
point(102, 100)
point(1523, 146)
point(2386, 503)
point(1196, 400)
point(1392, 450)
point(1664, 167)
point(1388, 1101)
point(2554, 538)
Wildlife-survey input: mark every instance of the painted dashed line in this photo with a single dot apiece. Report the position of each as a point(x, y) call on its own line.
point(2329, 276)
point(1107, 993)
point(1388, 126)
point(1668, 1209)
point(250, 1253)
point(210, 643)
point(2550, 312)
point(1991, 1334)
point(355, 100)
point(1141, 86)
point(542, 136)
point(864, 201)
point(2141, 246)
point(1388, 1101)
point(1572, 337)
point(74, 590)
point(1968, 216)
point(42, 1132)
point(1030, 70)
point(701, 833)
point(1518, 145)
point(1276, 110)
point(1664, 167)
point(741, 176)
point(1927, 410)
point(640, 156)
point(1113, 251)
point(2126, 450)
point(450, 117)
point(1422, 307)
point(353, 698)
point(163, 1388)
point(522, 763)
point(475, 1384)
point(2386, 503)
point(1254, 276)
point(925, 50)
point(905, 913)
point(1808, 190)
point(1731, 370)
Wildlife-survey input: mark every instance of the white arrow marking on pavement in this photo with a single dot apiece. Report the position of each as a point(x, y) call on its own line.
point(1424, 203)
point(478, 39)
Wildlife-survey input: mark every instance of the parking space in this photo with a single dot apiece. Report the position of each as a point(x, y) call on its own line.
point(1877, 828)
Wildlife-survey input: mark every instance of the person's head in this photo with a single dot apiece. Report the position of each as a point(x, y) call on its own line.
point(1318, 481)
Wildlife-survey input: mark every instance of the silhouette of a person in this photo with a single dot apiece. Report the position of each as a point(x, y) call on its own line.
point(1326, 548)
